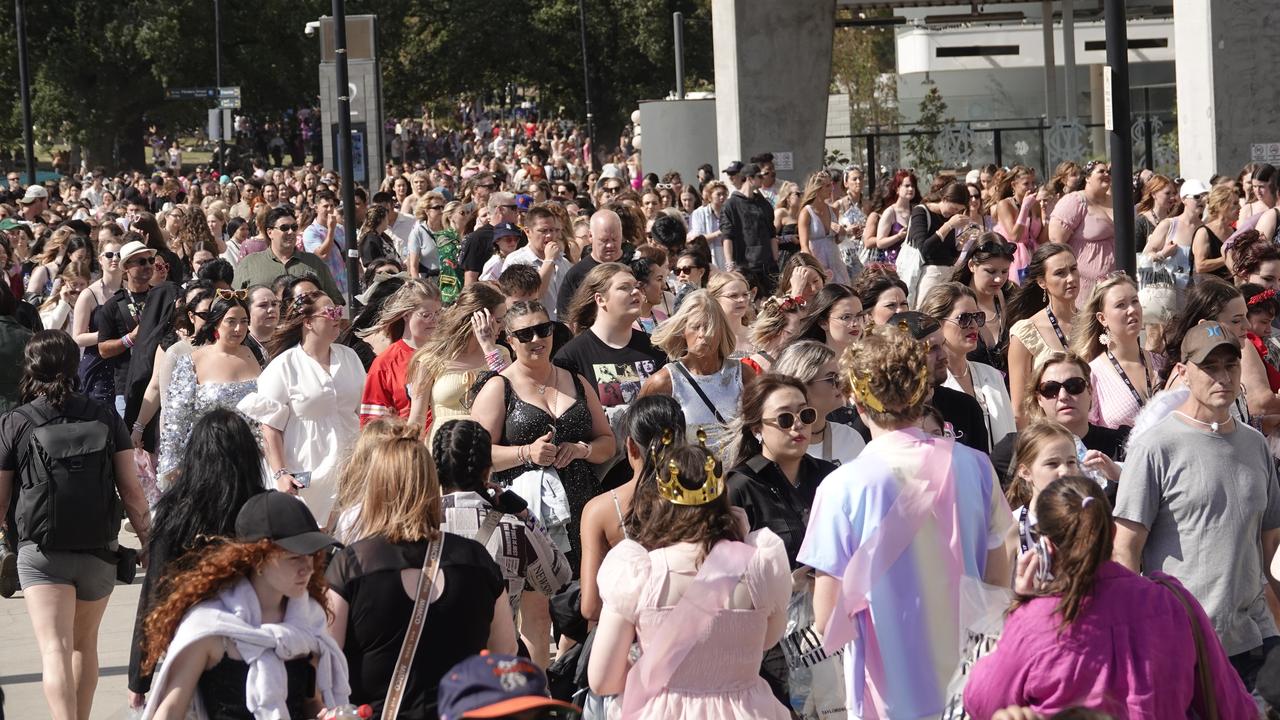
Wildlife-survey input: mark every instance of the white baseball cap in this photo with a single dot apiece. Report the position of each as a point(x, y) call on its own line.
point(34, 193)
point(1191, 188)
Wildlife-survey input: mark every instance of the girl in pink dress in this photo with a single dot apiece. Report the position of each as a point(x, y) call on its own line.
point(703, 598)
point(1083, 221)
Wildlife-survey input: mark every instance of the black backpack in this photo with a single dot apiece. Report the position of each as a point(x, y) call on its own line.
point(68, 497)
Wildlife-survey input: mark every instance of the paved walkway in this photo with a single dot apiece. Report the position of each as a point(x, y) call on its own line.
point(20, 659)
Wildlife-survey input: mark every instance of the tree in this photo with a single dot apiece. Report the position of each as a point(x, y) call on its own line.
point(862, 65)
point(933, 114)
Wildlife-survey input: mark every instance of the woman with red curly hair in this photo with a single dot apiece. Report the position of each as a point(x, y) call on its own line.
point(242, 633)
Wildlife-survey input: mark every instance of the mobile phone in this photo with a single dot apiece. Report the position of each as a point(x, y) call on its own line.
point(302, 479)
point(1044, 572)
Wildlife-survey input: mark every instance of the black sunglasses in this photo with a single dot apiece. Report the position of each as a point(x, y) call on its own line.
point(148, 260)
point(785, 419)
point(286, 228)
point(969, 319)
point(995, 249)
point(542, 330)
point(1075, 386)
point(686, 269)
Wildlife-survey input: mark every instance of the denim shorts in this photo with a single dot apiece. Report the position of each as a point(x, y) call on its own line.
point(92, 577)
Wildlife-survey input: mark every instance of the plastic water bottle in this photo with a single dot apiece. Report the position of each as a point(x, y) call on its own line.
point(351, 712)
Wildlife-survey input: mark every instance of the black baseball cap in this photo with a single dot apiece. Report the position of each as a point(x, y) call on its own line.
point(918, 324)
point(284, 520)
point(502, 230)
point(733, 168)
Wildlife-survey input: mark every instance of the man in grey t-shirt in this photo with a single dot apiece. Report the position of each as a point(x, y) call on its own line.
point(1198, 499)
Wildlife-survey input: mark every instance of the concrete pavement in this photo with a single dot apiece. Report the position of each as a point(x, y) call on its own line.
point(20, 659)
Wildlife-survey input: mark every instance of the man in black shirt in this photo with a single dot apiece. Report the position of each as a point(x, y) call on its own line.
point(747, 222)
point(606, 246)
point(118, 318)
point(962, 411)
point(477, 247)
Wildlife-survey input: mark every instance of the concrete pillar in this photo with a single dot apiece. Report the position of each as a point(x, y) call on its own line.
point(1072, 108)
point(1050, 63)
point(773, 72)
point(1228, 99)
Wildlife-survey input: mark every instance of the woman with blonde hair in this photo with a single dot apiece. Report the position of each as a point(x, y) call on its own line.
point(352, 482)
point(786, 220)
point(56, 253)
point(819, 228)
point(463, 347)
point(890, 378)
point(802, 277)
point(408, 317)
point(1221, 210)
point(56, 312)
point(421, 255)
point(818, 367)
point(732, 291)
point(777, 322)
point(399, 529)
point(1108, 334)
point(702, 374)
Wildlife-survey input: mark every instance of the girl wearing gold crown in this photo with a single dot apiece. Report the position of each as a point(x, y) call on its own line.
point(704, 598)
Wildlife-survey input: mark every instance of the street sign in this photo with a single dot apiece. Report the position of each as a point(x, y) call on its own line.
point(229, 103)
point(196, 93)
point(203, 93)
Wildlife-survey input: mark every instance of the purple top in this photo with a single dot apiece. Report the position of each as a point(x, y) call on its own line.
point(1130, 653)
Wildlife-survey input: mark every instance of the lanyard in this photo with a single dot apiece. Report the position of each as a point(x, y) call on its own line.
point(1146, 371)
point(1057, 329)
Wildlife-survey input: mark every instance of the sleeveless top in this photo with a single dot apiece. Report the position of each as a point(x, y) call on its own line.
point(789, 234)
point(1032, 340)
point(222, 688)
point(723, 390)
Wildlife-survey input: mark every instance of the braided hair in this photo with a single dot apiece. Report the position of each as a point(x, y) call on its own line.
point(462, 450)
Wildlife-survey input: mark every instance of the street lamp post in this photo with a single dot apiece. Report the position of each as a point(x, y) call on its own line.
point(24, 87)
point(217, 64)
point(586, 84)
point(1121, 141)
point(344, 150)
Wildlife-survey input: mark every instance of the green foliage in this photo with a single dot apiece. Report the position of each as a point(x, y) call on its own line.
point(933, 114)
point(862, 65)
point(100, 68)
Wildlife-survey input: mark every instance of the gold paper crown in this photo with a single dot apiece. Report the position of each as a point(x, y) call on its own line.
point(669, 486)
point(866, 398)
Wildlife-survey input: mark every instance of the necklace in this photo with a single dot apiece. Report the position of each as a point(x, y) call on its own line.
point(964, 374)
point(541, 389)
point(1213, 426)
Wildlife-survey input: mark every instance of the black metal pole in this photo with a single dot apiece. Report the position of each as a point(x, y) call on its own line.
point(1121, 141)
point(345, 164)
point(586, 84)
point(677, 19)
point(24, 86)
point(998, 147)
point(870, 181)
point(217, 65)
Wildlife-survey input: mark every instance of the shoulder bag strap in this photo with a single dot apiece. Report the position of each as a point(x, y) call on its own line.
point(1204, 675)
point(698, 389)
point(492, 519)
point(400, 675)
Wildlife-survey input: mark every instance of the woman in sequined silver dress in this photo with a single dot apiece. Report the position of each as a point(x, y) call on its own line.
point(218, 373)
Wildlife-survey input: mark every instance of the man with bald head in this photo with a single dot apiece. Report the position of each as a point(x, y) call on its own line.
point(606, 246)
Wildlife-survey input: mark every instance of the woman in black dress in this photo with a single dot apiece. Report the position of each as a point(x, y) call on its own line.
point(543, 417)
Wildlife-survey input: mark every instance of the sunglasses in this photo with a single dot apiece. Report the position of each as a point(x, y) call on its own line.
point(286, 228)
point(685, 269)
point(969, 320)
point(333, 312)
point(832, 379)
point(225, 294)
point(435, 207)
point(109, 255)
point(148, 260)
point(997, 249)
point(611, 189)
point(786, 420)
point(542, 330)
point(1074, 386)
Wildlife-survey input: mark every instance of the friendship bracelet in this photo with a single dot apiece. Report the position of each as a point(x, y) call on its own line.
point(495, 361)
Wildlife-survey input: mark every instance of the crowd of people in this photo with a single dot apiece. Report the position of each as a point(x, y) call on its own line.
point(723, 447)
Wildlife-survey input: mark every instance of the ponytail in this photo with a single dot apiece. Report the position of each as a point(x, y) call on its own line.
point(1074, 514)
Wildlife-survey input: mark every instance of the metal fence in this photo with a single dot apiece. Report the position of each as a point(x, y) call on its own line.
point(1033, 142)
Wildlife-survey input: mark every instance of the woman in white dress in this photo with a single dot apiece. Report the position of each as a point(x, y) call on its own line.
point(307, 402)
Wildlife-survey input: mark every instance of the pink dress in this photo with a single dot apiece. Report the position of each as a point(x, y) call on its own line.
point(720, 677)
point(1022, 251)
point(1093, 239)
